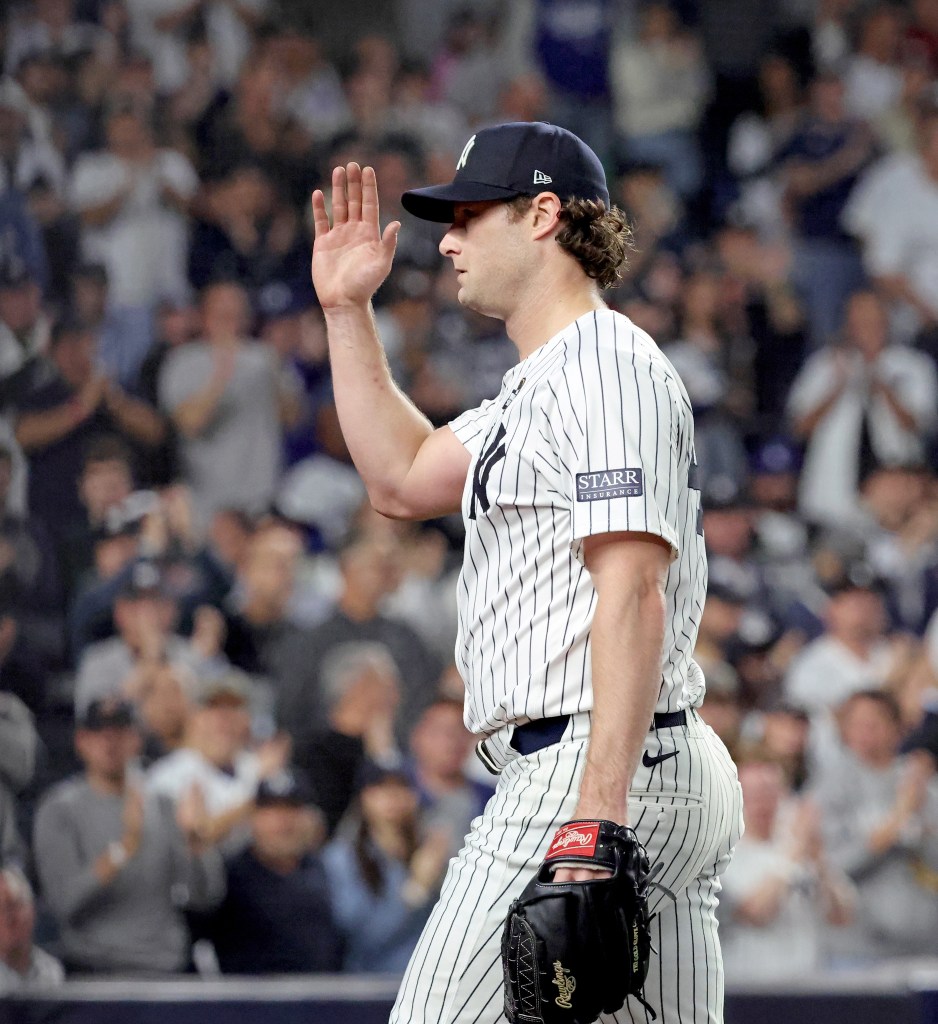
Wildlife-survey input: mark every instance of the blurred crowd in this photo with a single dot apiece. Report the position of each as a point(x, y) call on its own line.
point(230, 724)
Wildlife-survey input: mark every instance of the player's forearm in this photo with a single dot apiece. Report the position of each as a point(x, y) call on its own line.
point(382, 427)
point(627, 640)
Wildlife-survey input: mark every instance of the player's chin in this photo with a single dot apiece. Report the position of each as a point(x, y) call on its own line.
point(475, 302)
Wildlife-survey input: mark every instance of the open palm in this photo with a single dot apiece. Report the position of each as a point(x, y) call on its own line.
point(351, 257)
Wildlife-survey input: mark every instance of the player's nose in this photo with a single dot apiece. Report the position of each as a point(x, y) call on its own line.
point(449, 244)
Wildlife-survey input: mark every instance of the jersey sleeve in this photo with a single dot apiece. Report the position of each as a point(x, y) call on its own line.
point(623, 424)
point(469, 426)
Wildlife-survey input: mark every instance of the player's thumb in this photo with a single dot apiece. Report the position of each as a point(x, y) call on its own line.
point(389, 238)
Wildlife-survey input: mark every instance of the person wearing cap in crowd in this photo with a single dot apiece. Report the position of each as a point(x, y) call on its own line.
point(575, 489)
point(216, 766)
point(144, 616)
point(384, 872)
point(276, 917)
point(57, 421)
point(23, 964)
point(118, 866)
point(857, 652)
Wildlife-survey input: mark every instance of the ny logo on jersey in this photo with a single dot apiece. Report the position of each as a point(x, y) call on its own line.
point(487, 460)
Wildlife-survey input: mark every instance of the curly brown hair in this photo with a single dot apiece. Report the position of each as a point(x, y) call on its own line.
point(599, 239)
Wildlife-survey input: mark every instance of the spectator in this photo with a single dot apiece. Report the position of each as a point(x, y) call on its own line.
point(894, 212)
point(879, 819)
point(105, 482)
point(144, 618)
point(370, 568)
point(783, 735)
point(384, 876)
point(440, 744)
point(571, 43)
point(260, 627)
point(227, 398)
point(855, 653)
point(132, 199)
point(24, 330)
point(116, 866)
point(250, 233)
point(24, 160)
point(215, 766)
point(19, 744)
point(124, 335)
point(30, 589)
point(360, 693)
point(716, 362)
point(58, 420)
point(757, 135)
point(163, 28)
point(426, 597)
point(659, 87)
point(161, 693)
point(23, 965)
point(873, 78)
point(48, 24)
point(819, 167)
point(863, 396)
point(781, 890)
point(277, 916)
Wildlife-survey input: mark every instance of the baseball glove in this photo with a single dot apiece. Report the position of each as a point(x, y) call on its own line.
point(574, 950)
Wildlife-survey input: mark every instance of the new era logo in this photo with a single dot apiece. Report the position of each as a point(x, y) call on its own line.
point(609, 483)
point(540, 178)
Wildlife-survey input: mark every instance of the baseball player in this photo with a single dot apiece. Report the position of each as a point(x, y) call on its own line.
point(584, 573)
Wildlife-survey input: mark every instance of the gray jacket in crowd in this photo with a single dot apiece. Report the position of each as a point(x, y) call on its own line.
point(896, 908)
point(134, 924)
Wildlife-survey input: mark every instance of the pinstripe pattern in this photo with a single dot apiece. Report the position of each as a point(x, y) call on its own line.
point(597, 396)
point(689, 821)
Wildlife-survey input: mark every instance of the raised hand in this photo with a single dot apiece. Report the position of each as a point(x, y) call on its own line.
point(351, 258)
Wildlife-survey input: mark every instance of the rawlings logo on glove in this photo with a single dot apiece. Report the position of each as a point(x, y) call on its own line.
point(574, 950)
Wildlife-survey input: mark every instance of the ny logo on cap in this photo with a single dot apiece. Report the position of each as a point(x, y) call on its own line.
point(540, 178)
point(465, 153)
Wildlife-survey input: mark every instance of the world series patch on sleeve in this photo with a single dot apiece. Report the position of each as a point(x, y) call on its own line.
point(574, 950)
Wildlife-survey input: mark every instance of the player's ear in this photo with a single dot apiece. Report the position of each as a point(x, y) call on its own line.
point(545, 211)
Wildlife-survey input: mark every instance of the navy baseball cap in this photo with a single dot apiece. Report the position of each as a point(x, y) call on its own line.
point(521, 158)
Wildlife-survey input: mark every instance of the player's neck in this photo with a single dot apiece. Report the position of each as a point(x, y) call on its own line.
point(549, 306)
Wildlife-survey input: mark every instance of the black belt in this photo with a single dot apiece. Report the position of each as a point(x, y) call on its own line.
point(534, 736)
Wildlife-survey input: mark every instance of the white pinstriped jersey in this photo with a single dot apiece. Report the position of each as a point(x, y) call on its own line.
point(591, 433)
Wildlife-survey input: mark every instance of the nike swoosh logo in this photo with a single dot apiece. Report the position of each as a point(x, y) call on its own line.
point(650, 762)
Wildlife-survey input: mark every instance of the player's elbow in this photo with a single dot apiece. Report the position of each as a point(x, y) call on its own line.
point(389, 503)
